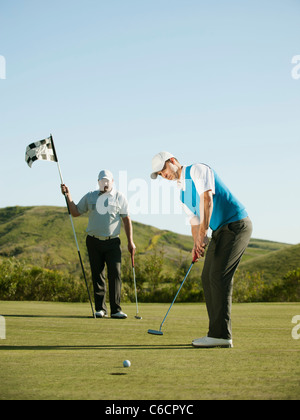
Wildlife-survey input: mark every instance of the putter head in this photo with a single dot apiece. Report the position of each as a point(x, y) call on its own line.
point(155, 332)
point(138, 317)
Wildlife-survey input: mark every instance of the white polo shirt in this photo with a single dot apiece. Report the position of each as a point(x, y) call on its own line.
point(105, 212)
point(204, 179)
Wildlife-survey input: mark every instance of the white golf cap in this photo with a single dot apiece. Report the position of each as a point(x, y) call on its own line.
point(158, 162)
point(105, 174)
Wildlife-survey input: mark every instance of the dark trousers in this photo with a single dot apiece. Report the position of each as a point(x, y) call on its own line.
point(223, 256)
point(109, 253)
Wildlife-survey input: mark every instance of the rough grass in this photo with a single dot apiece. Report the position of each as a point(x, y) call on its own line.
point(57, 351)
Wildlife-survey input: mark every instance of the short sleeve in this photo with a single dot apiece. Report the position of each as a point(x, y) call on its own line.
point(82, 206)
point(203, 177)
point(124, 207)
point(193, 218)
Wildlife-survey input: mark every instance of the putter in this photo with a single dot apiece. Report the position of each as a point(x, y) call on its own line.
point(136, 300)
point(159, 332)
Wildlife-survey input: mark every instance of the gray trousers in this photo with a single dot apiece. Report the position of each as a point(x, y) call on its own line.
point(223, 256)
point(109, 253)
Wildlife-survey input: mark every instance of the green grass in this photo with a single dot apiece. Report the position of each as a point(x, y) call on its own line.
point(56, 351)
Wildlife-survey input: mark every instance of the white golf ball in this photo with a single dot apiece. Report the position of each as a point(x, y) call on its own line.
point(126, 363)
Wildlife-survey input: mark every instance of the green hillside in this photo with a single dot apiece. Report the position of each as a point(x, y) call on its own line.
point(44, 237)
point(274, 265)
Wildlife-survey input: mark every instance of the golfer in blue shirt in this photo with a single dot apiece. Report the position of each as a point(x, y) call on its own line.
point(210, 204)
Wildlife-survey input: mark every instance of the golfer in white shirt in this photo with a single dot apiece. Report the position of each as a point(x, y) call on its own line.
point(106, 208)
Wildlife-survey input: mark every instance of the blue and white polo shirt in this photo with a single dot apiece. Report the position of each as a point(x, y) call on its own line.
point(198, 178)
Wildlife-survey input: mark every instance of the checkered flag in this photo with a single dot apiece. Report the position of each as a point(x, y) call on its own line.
point(40, 150)
point(45, 150)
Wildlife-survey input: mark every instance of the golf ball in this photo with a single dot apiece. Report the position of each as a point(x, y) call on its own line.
point(126, 363)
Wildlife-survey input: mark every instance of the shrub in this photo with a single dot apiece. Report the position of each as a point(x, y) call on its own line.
point(287, 290)
point(249, 287)
point(19, 281)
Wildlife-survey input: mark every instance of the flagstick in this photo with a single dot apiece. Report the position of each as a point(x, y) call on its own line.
point(71, 219)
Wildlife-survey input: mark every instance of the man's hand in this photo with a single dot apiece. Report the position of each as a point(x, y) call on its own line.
point(71, 205)
point(200, 245)
point(131, 248)
point(129, 233)
point(64, 189)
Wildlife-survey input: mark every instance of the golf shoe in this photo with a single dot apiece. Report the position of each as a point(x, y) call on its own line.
point(210, 342)
point(119, 315)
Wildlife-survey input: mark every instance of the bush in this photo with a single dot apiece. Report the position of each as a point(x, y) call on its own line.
point(288, 290)
point(249, 288)
point(154, 286)
point(252, 288)
point(152, 269)
point(21, 281)
point(18, 281)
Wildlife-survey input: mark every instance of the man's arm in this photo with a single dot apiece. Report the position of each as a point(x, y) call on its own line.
point(199, 231)
point(129, 233)
point(72, 206)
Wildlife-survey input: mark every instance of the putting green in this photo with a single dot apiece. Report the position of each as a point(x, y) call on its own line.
point(57, 351)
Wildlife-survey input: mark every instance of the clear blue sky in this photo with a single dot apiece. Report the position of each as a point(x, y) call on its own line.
point(117, 81)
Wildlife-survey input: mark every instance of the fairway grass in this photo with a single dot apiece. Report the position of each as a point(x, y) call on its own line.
point(57, 351)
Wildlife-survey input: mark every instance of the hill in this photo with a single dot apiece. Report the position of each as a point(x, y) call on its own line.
point(274, 265)
point(43, 236)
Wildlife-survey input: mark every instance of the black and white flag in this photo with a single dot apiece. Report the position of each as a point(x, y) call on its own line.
point(40, 150)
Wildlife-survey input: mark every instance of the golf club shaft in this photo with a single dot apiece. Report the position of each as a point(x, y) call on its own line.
point(136, 299)
point(177, 294)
